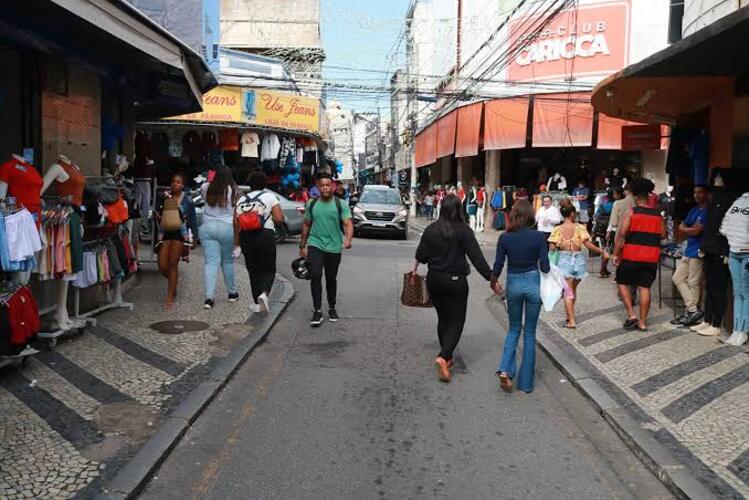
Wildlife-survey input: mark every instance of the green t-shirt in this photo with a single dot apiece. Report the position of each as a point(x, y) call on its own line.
point(325, 233)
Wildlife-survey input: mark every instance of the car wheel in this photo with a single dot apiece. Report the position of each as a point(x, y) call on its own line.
point(282, 232)
point(403, 235)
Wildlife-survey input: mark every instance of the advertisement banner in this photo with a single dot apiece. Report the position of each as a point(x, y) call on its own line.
point(589, 40)
point(258, 107)
point(276, 109)
point(221, 104)
point(641, 137)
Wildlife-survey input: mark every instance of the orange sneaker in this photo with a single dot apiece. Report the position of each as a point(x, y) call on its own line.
point(443, 370)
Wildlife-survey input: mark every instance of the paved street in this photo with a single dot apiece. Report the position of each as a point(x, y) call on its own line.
point(354, 410)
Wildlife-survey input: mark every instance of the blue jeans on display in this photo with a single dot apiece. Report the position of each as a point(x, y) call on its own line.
point(217, 239)
point(738, 264)
point(523, 294)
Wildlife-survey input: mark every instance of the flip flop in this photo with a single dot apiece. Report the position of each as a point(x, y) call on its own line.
point(570, 327)
point(642, 329)
point(505, 382)
point(631, 323)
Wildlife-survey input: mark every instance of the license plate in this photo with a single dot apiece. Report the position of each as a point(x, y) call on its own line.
point(379, 224)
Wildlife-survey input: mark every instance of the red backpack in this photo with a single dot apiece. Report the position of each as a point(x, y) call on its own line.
point(251, 217)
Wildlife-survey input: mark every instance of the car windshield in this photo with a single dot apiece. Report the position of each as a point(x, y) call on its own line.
point(382, 196)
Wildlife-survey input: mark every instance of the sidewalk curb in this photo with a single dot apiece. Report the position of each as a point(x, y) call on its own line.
point(133, 476)
point(656, 457)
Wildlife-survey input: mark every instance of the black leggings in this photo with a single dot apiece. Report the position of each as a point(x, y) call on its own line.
point(449, 294)
point(317, 260)
point(717, 278)
point(259, 249)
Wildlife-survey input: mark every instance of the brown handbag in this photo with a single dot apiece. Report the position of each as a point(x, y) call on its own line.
point(415, 293)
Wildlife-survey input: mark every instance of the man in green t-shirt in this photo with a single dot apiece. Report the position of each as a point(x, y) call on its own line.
point(327, 230)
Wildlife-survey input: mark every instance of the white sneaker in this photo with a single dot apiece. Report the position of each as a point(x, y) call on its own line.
point(255, 308)
point(263, 302)
point(738, 338)
point(701, 326)
point(711, 331)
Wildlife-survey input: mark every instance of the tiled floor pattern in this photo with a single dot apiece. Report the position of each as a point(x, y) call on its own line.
point(71, 412)
point(696, 388)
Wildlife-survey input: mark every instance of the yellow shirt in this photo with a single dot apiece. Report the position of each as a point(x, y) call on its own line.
point(575, 243)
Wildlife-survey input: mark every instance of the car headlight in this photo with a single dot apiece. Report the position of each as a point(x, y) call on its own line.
point(358, 211)
point(403, 212)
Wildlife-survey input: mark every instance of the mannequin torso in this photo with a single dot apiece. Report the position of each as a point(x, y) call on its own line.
point(70, 180)
point(22, 181)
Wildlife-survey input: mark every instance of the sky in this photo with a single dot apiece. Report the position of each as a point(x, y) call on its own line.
point(361, 34)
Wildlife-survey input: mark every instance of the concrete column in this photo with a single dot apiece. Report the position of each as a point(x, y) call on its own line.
point(464, 171)
point(414, 180)
point(491, 182)
point(445, 170)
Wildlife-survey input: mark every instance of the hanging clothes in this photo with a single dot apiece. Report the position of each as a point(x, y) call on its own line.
point(61, 255)
point(19, 240)
point(19, 318)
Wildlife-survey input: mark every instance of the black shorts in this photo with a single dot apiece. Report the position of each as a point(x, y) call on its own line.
point(172, 235)
point(639, 274)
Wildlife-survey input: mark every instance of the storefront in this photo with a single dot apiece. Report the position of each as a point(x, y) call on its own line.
point(245, 129)
point(70, 107)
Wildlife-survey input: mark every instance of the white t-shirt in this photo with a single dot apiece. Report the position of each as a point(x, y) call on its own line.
point(547, 218)
point(250, 143)
point(261, 201)
point(222, 214)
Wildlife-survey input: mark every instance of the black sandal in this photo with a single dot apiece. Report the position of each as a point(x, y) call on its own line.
point(570, 327)
point(631, 323)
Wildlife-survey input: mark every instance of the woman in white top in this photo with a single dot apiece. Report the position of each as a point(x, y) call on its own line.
point(255, 218)
point(217, 233)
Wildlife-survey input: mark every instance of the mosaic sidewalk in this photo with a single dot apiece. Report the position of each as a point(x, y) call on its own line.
point(72, 416)
point(691, 392)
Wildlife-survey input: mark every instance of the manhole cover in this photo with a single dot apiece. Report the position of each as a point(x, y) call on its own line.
point(177, 327)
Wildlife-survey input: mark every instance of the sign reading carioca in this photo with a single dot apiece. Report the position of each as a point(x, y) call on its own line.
point(594, 38)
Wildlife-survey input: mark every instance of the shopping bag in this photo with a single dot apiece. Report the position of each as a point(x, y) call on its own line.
point(415, 292)
point(552, 286)
point(554, 257)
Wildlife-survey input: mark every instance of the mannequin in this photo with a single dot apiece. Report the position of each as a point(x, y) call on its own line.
point(480, 213)
point(23, 182)
point(70, 182)
point(557, 182)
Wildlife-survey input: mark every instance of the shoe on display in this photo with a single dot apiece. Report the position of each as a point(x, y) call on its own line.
point(694, 318)
point(712, 331)
point(738, 339)
point(333, 315)
point(208, 304)
point(679, 320)
point(317, 319)
point(701, 326)
point(263, 301)
point(233, 297)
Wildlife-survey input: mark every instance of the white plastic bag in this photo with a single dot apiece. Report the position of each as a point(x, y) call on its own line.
point(552, 285)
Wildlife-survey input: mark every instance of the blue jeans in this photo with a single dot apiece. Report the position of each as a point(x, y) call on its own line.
point(217, 239)
point(523, 293)
point(738, 263)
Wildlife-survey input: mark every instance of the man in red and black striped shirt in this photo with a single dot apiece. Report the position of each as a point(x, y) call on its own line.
point(637, 250)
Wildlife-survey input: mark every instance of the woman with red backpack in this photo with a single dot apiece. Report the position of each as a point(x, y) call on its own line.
point(255, 218)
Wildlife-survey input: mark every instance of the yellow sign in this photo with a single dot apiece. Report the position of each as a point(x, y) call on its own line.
point(258, 107)
point(221, 104)
point(275, 109)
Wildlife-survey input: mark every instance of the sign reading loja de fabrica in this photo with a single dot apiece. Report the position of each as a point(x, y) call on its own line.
point(589, 40)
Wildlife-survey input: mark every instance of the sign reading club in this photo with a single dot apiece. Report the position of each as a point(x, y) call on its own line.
point(589, 41)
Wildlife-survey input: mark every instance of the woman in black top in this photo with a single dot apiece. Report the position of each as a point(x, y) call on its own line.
point(443, 247)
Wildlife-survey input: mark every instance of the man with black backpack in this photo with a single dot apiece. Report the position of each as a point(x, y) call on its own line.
point(327, 230)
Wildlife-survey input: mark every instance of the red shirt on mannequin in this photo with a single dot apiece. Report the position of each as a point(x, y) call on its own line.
point(24, 183)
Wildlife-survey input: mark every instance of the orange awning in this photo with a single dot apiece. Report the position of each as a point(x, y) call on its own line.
point(506, 123)
point(446, 134)
point(610, 131)
point(562, 120)
point(469, 128)
point(426, 146)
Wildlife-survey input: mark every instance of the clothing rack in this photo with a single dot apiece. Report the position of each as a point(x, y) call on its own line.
point(23, 356)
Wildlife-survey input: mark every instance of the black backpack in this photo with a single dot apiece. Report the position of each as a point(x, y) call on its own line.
point(337, 205)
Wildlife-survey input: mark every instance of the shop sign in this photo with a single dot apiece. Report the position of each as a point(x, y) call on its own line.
point(587, 40)
point(641, 137)
point(221, 104)
point(276, 109)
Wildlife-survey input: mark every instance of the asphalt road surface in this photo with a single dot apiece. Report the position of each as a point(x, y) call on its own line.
point(354, 410)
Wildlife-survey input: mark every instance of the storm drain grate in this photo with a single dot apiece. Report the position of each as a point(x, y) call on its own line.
point(177, 327)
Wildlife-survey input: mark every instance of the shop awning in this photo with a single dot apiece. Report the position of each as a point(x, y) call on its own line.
point(506, 123)
point(469, 129)
point(426, 146)
point(610, 131)
point(562, 120)
point(446, 134)
point(160, 73)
